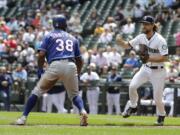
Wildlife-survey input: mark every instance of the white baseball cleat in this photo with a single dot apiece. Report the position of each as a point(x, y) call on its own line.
point(83, 118)
point(21, 120)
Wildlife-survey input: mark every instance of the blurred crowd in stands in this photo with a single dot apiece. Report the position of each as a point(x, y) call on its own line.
point(21, 36)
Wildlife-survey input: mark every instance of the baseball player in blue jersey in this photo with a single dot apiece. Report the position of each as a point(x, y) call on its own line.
point(62, 53)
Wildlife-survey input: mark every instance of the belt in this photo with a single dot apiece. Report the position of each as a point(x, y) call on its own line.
point(68, 59)
point(155, 67)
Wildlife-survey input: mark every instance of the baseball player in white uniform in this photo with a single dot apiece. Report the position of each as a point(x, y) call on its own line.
point(168, 99)
point(90, 78)
point(56, 96)
point(152, 69)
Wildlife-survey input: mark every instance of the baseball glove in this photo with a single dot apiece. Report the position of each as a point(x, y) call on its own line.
point(143, 53)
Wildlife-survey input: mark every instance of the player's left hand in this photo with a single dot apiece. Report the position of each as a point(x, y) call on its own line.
point(144, 58)
point(143, 53)
point(40, 71)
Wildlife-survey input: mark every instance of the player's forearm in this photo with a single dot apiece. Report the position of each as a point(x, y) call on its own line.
point(79, 63)
point(158, 59)
point(41, 61)
point(123, 44)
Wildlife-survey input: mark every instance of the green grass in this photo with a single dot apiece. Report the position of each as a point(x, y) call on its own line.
point(68, 124)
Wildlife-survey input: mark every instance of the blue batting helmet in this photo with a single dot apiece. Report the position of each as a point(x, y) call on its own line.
point(59, 22)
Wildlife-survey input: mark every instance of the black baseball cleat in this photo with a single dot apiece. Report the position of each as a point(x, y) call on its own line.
point(160, 121)
point(129, 111)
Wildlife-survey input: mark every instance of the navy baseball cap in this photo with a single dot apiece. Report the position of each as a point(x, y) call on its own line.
point(148, 19)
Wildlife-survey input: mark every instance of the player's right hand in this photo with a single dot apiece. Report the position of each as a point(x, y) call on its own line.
point(40, 71)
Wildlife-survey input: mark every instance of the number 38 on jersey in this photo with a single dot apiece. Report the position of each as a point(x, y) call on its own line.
point(64, 45)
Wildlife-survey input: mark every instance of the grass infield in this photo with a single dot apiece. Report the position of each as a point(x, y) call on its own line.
point(68, 124)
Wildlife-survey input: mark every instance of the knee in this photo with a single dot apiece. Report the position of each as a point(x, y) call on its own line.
point(37, 92)
point(72, 95)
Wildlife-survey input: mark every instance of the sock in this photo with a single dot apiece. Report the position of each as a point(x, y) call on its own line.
point(30, 104)
point(78, 102)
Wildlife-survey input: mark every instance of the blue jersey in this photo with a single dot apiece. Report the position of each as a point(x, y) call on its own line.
point(58, 45)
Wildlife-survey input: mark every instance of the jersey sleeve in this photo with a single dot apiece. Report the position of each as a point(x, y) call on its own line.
point(163, 48)
point(44, 44)
point(77, 52)
point(135, 41)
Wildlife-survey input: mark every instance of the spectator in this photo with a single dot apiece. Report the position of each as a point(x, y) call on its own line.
point(91, 57)
point(3, 3)
point(3, 34)
point(176, 14)
point(5, 85)
point(41, 31)
point(108, 53)
point(37, 20)
point(19, 35)
point(129, 11)
point(11, 42)
point(115, 57)
point(119, 15)
point(110, 24)
point(27, 54)
point(138, 12)
point(62, 10)
point(77, 35)
point(21, 21)
point(106, 37)
point(29, 36)
point(75, 23)
point(143, 3)
point(128, 28)
point(9, 55)
point(44, 19)
point(132, 62)
point(101, 61)
point(90, 78)
point(153, 7)
point(20, 74)
point(94, 17)
point(13, 24)
point(2, 47)
point(4, 27)
point(177, 37)
point(113, 93)
point(168, 3)
point(98, 30)
point(172, 74)
point(84, 54)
